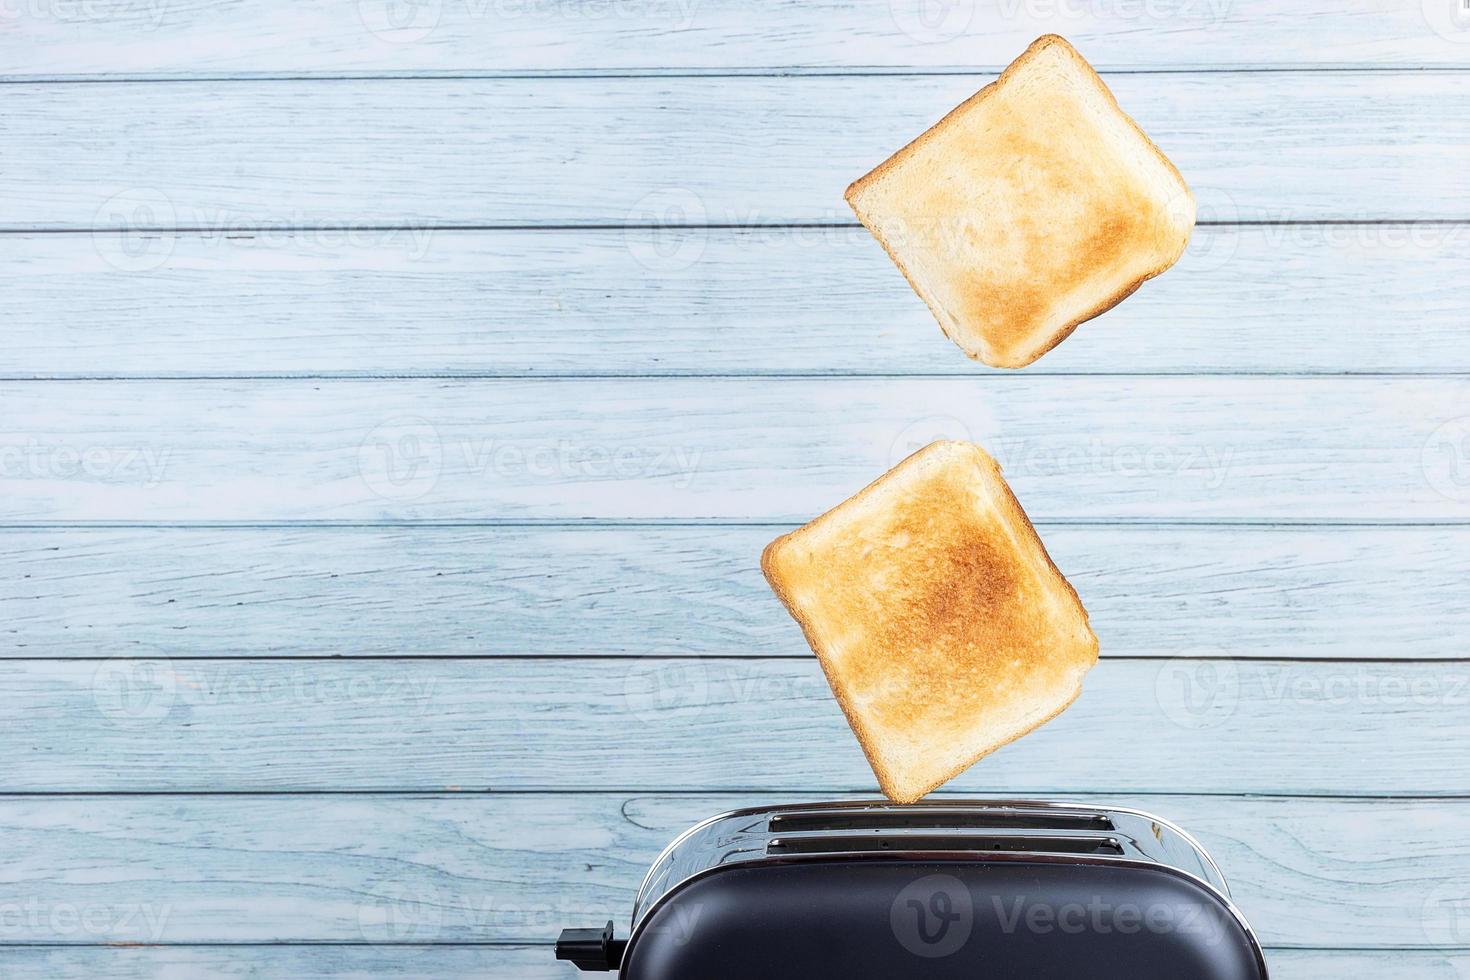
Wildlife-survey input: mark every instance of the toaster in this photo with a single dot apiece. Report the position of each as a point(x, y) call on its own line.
point(943, 890)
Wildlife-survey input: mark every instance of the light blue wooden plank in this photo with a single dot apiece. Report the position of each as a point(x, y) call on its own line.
point(1180, 726)
point(1278, 299)
point(293, 38)
point(1088, 449)
point(1294, 964)
point(472, 868)
point(749, 151)
point(360, 962)
point(1334, 592)
point(536, 963)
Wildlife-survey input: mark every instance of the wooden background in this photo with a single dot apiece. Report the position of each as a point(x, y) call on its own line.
point(396, 397)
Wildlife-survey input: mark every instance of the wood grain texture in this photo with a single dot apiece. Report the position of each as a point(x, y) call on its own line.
point(1271, 299)
point(1287, 592)
point(505, 869)
point(748, 151)
point(320, 249)
point(536, 963)
point(475, 36)
point(655, 724)
point(693, 449)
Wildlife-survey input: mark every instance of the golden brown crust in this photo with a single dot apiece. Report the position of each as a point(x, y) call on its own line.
point(888, 784)
point(929, 598)
point(1003, 318)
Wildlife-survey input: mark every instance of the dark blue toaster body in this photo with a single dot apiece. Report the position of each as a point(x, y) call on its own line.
point(947, 890)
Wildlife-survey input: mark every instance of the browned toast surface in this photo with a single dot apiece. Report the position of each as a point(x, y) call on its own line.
point(1035, 205)
point(940, 621)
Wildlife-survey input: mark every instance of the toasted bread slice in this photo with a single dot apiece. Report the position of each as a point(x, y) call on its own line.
point(1033, 207)
point(942, 626)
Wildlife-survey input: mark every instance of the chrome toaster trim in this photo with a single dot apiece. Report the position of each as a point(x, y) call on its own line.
point(1021, 826)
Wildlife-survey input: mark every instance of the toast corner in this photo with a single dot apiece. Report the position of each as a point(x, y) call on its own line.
point(770, 563)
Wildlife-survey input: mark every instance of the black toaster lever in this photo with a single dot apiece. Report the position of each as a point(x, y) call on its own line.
point(592, 950)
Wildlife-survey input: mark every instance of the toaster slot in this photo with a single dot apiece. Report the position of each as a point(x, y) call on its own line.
point(1019, 843)
point(939, 819)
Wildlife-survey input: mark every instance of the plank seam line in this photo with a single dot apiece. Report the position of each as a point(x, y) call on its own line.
point(151, 653)
point(599, 524)
point(487, 376)
point(655, 74)
point(623, 793)
point(753, 227)
point(511, 944)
